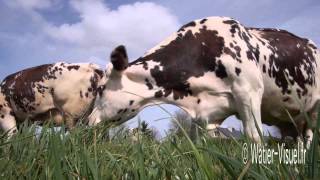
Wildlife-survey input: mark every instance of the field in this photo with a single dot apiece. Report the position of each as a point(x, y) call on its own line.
point(87, 153)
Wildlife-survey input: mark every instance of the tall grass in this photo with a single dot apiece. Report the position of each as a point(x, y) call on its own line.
point(87, 153)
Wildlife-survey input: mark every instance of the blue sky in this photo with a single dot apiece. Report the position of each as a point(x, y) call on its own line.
point(34, 32)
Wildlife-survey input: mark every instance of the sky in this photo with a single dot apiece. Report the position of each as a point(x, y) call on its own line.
point(34, 32)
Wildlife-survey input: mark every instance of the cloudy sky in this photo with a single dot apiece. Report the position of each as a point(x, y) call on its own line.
point(34, 32)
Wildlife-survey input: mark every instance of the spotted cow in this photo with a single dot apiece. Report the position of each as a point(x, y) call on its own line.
point(61, 92)
point(216, 67)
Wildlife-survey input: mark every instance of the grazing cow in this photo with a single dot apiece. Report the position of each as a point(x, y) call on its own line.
point(213, 68)
point(58, 92)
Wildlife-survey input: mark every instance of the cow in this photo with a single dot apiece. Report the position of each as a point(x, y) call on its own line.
point(213, 68)
point(61, 92)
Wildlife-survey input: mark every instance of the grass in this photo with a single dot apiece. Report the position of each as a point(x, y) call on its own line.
point(87, 153)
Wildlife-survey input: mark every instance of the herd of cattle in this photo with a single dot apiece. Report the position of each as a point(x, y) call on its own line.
point(212, 68)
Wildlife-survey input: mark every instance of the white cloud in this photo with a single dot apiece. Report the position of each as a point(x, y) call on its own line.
point(96, 31)
point(139, 26)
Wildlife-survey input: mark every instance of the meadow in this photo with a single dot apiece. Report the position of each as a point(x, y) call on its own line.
point(89, 153)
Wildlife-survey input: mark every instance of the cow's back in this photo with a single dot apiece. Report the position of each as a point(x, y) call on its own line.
point(21, 88)
point(220, 50)
point(60, 88)
point(290, 71)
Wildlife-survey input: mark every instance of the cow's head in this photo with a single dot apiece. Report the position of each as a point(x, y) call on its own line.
point(125, 91)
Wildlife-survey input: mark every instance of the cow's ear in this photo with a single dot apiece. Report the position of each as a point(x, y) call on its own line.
point(119, 58)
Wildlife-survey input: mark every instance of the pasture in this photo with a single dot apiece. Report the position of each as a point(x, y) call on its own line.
point(262, 67)
point(87, 153)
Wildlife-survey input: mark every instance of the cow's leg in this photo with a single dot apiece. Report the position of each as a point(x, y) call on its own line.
point(57, 117)
point(94, 117)
point(70, 122)
point(302, 132)
point(248, 102)
point(309, 137)
point(288, 129)
point(308, 128)
point(7, 121)
point(299, 127)
point(52, 115)
point(214, 124)
point(72, 110)
point(305, 130)
point(74, 113)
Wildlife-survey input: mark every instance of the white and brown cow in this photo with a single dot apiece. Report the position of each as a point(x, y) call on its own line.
point(213, 68)
point(61, 92)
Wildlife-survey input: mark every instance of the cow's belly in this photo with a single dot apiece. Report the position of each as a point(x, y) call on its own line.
point(276, 105)
point(43, 103)
point(212, 98)
point(217, 106)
